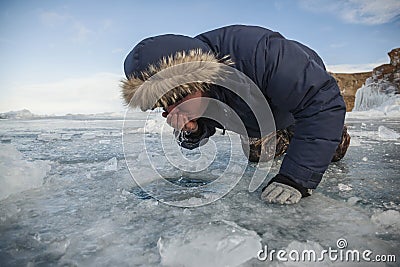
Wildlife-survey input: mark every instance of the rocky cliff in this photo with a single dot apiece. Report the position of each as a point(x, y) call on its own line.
point(386, 77)
point(349, 83)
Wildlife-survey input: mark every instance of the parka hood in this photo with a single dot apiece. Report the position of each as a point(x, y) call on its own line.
point(154, 55)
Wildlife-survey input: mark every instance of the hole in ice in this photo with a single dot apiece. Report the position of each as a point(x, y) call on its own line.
point(140, 193)
point(189, 182)
point(183, 181)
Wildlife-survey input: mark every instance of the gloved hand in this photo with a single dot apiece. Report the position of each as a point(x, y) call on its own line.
point(283, 190)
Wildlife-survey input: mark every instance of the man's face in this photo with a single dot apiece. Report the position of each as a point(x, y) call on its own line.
point(192, 106)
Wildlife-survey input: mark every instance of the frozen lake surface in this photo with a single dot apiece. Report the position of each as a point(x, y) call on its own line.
point(67, 198)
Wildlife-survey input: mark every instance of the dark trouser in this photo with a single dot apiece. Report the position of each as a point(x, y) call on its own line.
point(262, 149)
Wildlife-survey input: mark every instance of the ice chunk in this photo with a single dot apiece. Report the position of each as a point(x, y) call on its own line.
point(220, 243)
point(391, 107)
point(55, 250)
point(19, 114)
point(302, 248)
point(387, 218)
point(47, 137)
point(217, 172)
point(344, 187)
point(153, 125)
point(143, 157)
point(8, 211)
point(17, 174)
point(88, 136)
point(391, 205)
point(353, 200)
point(387, 134)
point(66, 137)
point(111, 165)
point(6, 140)
point(354, 141)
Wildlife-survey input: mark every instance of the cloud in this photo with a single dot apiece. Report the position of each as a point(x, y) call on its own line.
point(117, 50)
point(53, 19)
point(107, 24)
point(96, 93)
point(353, 68)
point(369, 12)
point(80, 32)
point(338, 45)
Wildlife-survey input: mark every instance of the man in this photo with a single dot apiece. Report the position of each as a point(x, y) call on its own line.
point(305, 100)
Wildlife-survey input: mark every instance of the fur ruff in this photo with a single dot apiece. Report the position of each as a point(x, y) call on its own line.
point(165, 83)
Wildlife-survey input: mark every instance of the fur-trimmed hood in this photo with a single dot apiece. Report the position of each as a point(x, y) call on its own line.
point(158, 68)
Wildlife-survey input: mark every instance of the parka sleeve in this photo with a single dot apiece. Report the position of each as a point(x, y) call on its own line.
point(294, 81)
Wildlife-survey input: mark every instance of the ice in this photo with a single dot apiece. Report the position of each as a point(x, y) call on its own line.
point(66, 137)
point(142, 156)
point(300, 247)
point(47, 137)
point(353, 200)
point(388, 218)
point(389, 109)
point(220, 243)
point(354, 141)
point(88, 136)
point(344, 187)
point(111, 165)
point(5, 140)
point(387, 134)
point(156, 125)
point(376, 100)
point(19, 114)
point(373, 95)
point(8, 212)
point(18, 174)
point(152, 126)
point(91, 212)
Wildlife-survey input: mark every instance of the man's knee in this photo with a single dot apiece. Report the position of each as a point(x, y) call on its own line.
point(268, 147)
point(343, 145)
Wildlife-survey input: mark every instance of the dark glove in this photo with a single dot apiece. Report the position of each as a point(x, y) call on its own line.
point(284, 190)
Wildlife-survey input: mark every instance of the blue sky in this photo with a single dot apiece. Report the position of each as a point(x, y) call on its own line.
point(62, 57)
